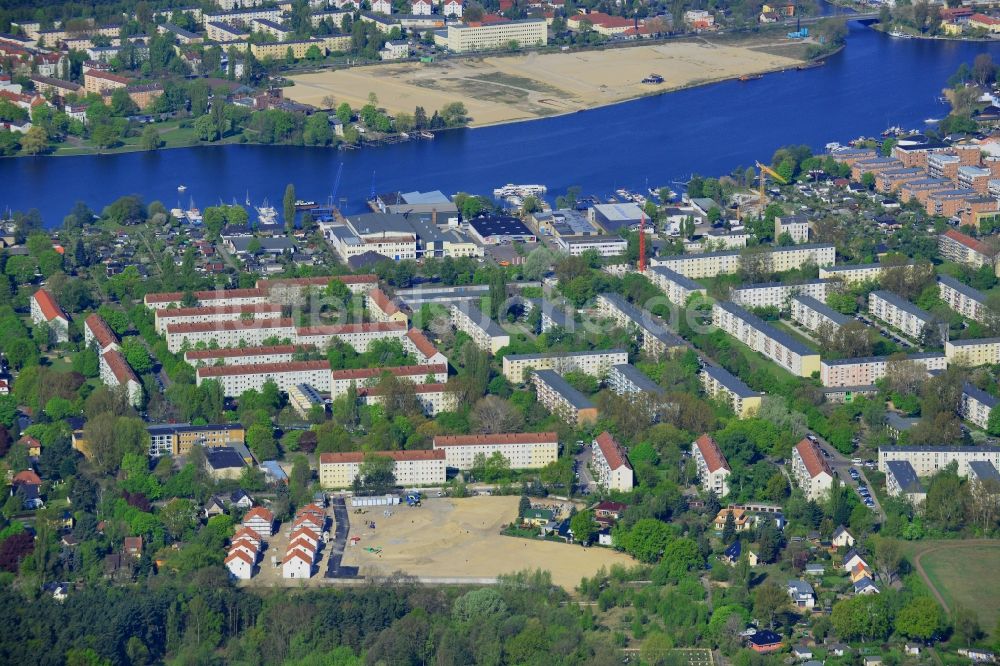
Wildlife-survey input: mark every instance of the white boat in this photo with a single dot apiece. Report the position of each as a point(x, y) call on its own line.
point(266, 214)
point(900, 35)
point(932, 121)
point(181, 188)
point(519, 190)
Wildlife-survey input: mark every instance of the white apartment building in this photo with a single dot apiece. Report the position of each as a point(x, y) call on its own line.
point(245, 355)
point(97, 335)
point(237, 333)
point(596, 363)
point(235, 379)
point(358, 336)
point(611, 467)
point(217, 31)
point(46, 311)
point(417, 344)
point(898, 313)
point(812, 313)
point(761, 337)
point(779, 259)
point(433, 398)
point(381, 307)
point(811, 471)
point(485, 333)
point(928, 460)
point(341, 380)
point(973, 352)
point(901, 481)
point(719, 382)
point(677, 288)
point(285, 289)
point(626, 379)
point(777, 294)
point(115, 371)
point(463, 38)
point(852, 273)
point(605, 246)
point(241, 17)
point(962, 298)
point(796, 226)
point(976, 405)
point(867, 370)
point(713, 469)
point(167, 316)
point(656, 339)
point(523, 450)
point(209, 298)
point(560, 398)
point(411, 468)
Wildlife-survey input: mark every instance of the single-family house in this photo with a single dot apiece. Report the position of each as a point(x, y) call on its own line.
point(741, 519)
point(241, 500)
point(260, 520)
point(247, 546)
point(214, 507)
point(865, 585)
point(765, 641)
point(537, 517)
point(842, 538)
point(837, 649)
point(297, 564)
point(801, 593)
point(853, 559)
point(132, 546)
point(733, 553)
point(815, 569)
point(240, 564)
point(802, 652)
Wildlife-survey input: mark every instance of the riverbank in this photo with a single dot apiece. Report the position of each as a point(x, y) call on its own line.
point(503, 89)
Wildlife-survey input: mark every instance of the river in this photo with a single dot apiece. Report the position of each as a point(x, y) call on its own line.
point(875, 82)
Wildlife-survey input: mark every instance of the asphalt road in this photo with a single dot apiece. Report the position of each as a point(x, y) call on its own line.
point(336, 546)
point(586, 481)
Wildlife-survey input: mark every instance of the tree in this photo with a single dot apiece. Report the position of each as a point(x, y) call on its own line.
point(728, 528)
point(920, 619)
point(584, 527)
point(260, 439)
point(479, 605)
point(492, 414)
point(646, 540)
point(150, 139)
point(35, 140)
point(288, 206)
point(205, 128)
point(656, 649)
point(768, 600)
point(375, 475)
point(864, 617)
point(523, 506)
point(966, 625)
point(344, 113)
point(888, 558)
point(136, 355)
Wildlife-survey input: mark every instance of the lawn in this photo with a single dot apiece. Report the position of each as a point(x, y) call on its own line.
point(963, 572)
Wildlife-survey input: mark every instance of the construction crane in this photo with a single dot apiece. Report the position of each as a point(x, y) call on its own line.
point(642, 243)
point(764, 169)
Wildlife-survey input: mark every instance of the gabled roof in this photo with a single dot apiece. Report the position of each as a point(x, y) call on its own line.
point(259, 512)
point(710, 451)
point(261, 368)
point(814, 461)
point(297, 554)
point(26, 477)
point(48, 305)
point(359, 456)
point(237, 554)
point(612, 451)
point(420, 341)
point(245, 532)
point(245, 542)
point(496, 439)
point(383, 302)
point(119, 367)
point(101, 331)
point(398, 371)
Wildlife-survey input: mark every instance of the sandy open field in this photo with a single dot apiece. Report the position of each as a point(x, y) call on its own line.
point(508, 88)
point(460, 538)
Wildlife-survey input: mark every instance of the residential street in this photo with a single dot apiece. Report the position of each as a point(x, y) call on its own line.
point(841, 464)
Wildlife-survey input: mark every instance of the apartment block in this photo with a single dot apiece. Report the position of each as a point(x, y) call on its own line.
point(605, 246)
point(976, 405)
point(553, 315)
point(167, 316)
point(523, 450)
point(176, 439)
point(235, 379)
point(901, 481)
point(796, 226)
point(97, 335)
point(626, 379)
point(974, 178)
point(115, 371)
point(382, 308)
point(463, 38)
point(656, 339)
point(485, 333)
point(556, 395)
point(677, 287)
point(235, 333)
point(285, 290)
point(865, 371)
point(812, 314)
point(718, 382)
point(974, 352)
point(612, 469)
point(928, 460)
point(246, 355)
point(417, 344)
point(962, 298)
point(958, 247)
point(45, 310)
point(922, 189)
point(943, 165)
point(898, 313)
point(893, 179)
point(341, 380)
point(358, 336)
point(597, 363)
point(713, 468)
point(777, 294)
point(779, 259)
point(411, 468)
point(433, 398)
point(853, 273)
point(210, 298)
point(811, 471)
point(763, 338)
point(874, 166)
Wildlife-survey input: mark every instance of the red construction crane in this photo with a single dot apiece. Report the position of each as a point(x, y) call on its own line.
point(642, 243)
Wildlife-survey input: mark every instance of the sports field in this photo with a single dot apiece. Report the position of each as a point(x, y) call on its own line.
point(520, 87)
point(964, 573)
point(459, 538)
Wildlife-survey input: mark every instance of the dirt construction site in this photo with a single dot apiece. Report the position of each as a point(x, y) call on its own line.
point(507, 88)
point(451, 539)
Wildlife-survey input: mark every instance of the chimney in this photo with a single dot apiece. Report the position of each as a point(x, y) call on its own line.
point(434, 216)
